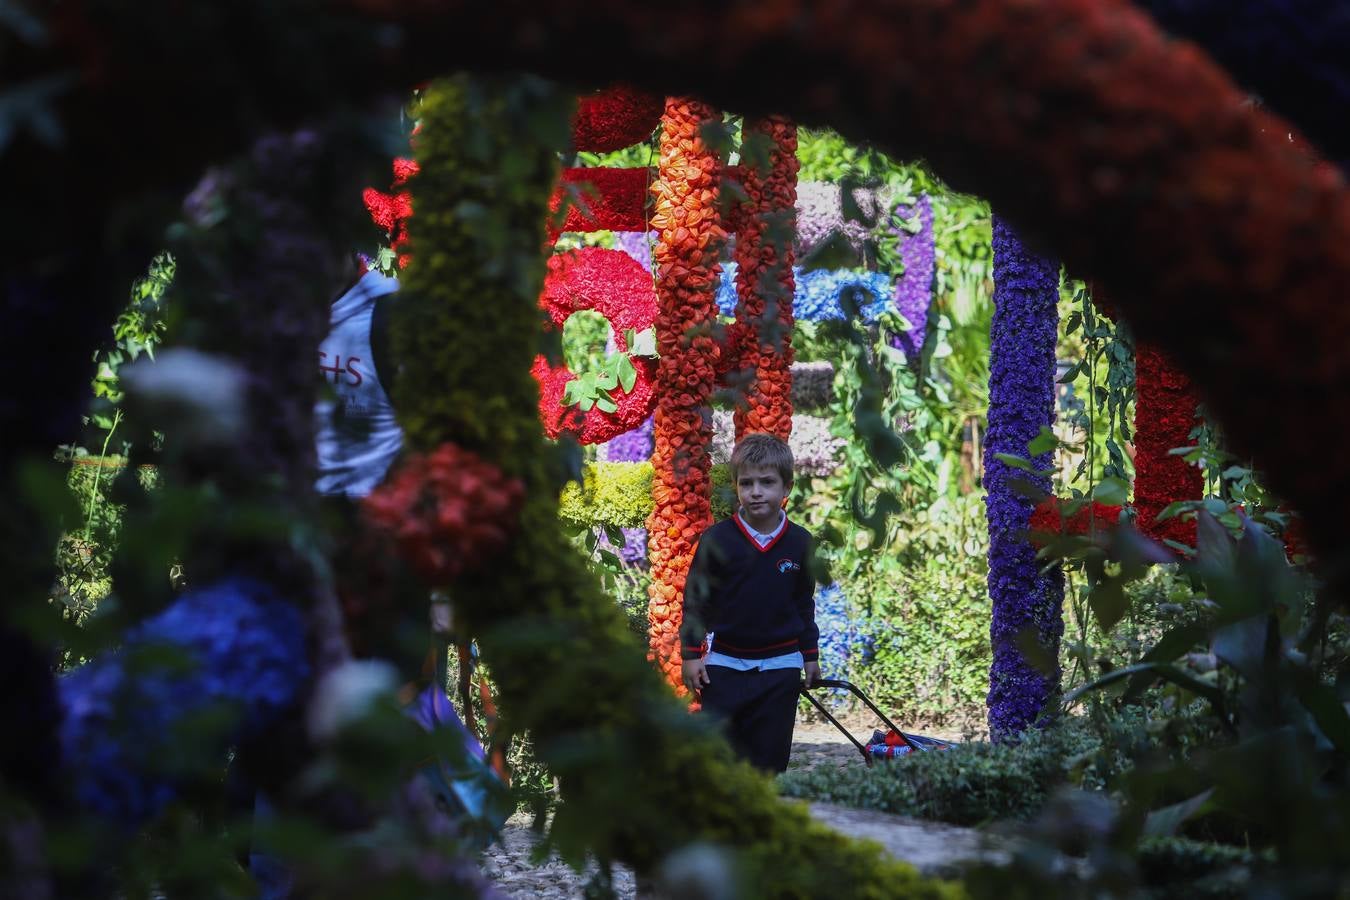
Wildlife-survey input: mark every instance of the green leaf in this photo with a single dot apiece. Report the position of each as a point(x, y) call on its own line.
point(1043, 442)
point(1111, 491)
point(1164, 822)
point(1108, 603)
point(605, 404)
point(607, 380)
point(1072, 324)
point(1018, 462)
point(627, 374)
point(1069, 376)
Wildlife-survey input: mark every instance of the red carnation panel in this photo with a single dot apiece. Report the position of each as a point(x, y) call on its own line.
point(1163, 419)
point(615, 285)
point(615, 118)
point(616, 200)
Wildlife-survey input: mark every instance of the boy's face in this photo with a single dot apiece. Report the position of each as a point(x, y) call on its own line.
point(761, 491)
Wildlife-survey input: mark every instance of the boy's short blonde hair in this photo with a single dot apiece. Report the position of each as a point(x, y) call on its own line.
point(762, 450)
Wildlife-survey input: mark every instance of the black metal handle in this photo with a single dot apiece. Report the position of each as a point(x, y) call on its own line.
point(840, 684)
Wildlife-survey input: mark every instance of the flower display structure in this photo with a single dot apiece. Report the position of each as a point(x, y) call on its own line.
point(631, 446)
point(914, 286)
point(812, 385)
point(1049, 517)
point(1164, 414)
point(1025, 600)
point(820, 215)
point(819, 292)
point(765, 280)
point(615, 200)
point(637, 244)
point(611, 283)
point(447, 510)
point(234, 648)
point(620, 494)
point(466, 338)
point(689, 240)
point(614, 118)
point(815, 451)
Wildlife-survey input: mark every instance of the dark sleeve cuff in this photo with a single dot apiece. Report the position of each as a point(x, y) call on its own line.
point(812, 655)
point(687, 653)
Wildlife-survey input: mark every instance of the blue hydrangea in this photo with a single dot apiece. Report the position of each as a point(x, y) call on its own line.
point(226, 661)
point(818, 293)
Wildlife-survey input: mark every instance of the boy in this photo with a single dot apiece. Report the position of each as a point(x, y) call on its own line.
point(750, 590)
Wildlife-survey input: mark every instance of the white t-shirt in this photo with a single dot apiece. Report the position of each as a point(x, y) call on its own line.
point(356, 434)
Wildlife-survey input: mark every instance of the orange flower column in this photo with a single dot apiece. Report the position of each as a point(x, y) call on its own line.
point(689, 238)
point(764, 279)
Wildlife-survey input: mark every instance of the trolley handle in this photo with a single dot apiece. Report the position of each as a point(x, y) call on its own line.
point(840, 684)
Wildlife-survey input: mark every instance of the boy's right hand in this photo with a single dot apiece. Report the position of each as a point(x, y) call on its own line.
point(695, 674)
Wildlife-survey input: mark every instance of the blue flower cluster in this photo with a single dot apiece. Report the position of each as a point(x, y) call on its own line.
point(843, 635)
point(224, 661)
point(1021, 400)
point(818, 293)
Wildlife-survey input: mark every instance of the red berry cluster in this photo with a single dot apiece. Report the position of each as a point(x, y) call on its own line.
point(448, 511)
point(615, 118)
point(689, 239)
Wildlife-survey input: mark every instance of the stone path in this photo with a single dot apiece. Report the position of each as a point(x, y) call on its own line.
point(935, 848)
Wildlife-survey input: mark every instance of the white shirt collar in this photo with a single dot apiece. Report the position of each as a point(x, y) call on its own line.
point(762, 538)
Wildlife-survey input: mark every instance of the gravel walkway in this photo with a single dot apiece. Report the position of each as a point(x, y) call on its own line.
point(933, 847)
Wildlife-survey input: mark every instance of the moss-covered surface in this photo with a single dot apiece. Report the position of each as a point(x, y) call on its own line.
point(640, 777)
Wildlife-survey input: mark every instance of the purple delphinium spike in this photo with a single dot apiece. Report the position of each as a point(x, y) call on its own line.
point(631, 446)
point(1021, 401)
point(914, 288)
point(636, 244)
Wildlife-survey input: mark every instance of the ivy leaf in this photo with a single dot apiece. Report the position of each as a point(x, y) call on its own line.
point(586, 403)
point(605, 404)
point(608, 379)
point(627, 374)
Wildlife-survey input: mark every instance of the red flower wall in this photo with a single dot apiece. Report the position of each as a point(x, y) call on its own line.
point(1163, 419)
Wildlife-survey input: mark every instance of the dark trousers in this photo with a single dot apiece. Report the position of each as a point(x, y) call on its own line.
point(756, 710)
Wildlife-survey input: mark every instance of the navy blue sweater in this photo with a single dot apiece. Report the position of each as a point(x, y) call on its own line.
point(757, 602)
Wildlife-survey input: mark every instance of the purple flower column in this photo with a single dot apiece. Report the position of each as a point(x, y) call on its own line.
point(1021, 400)
point(914, 288)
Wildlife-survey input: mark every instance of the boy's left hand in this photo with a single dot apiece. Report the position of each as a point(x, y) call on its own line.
point(812, 670)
